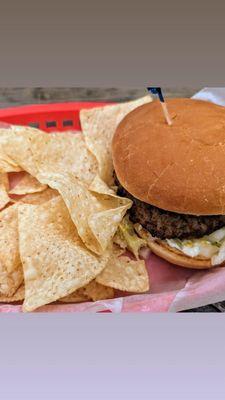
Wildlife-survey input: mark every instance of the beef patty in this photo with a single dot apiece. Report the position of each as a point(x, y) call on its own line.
point(166, 224)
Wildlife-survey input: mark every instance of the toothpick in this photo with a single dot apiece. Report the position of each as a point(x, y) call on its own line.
point(158, 90)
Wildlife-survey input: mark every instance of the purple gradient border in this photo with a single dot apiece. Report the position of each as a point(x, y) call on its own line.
point(132, 356)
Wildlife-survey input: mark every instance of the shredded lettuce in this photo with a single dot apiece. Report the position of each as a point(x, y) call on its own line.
point(126, 237)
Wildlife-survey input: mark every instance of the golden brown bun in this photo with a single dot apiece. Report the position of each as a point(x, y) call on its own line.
point(179, 168)
point(177, 258)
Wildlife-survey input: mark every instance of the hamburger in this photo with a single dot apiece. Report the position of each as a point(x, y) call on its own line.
point(175, 177)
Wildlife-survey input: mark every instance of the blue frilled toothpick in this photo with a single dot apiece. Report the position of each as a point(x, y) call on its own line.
point(158, 91)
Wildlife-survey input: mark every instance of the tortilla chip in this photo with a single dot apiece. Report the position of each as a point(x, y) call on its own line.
point(98, 125)
point(76, 297)
point(100, 187)
point(7, 164)
point(94, 291)
point(4, 187)
point(4, 180)
point(95, 215)
point(55, 261)
point(63, 162)
point(125, 274)
point(68, 152)
point(17, 296)
point(15, 149)
point(27, 184)
point(38, 198)
point(97, 292)
point(34, 151)
point(11, 273)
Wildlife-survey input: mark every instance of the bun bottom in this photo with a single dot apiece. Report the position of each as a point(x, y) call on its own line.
point(175, 257)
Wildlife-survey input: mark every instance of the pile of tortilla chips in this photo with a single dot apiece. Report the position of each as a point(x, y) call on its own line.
point(59, 213)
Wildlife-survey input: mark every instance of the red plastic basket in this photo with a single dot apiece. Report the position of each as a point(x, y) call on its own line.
point(48, 117)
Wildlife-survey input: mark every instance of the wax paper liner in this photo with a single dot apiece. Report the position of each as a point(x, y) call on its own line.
point(172, 288)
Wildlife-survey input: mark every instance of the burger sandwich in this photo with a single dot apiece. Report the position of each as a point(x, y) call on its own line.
point(175, 177)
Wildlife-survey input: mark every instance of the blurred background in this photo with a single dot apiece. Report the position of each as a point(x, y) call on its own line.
point(10, 97)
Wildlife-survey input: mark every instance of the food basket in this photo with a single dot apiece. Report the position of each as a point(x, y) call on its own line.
point(172, 288)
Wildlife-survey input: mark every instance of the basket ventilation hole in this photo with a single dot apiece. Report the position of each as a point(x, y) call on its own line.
point(68, 122)
point(34, 124)
point(50, 124)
